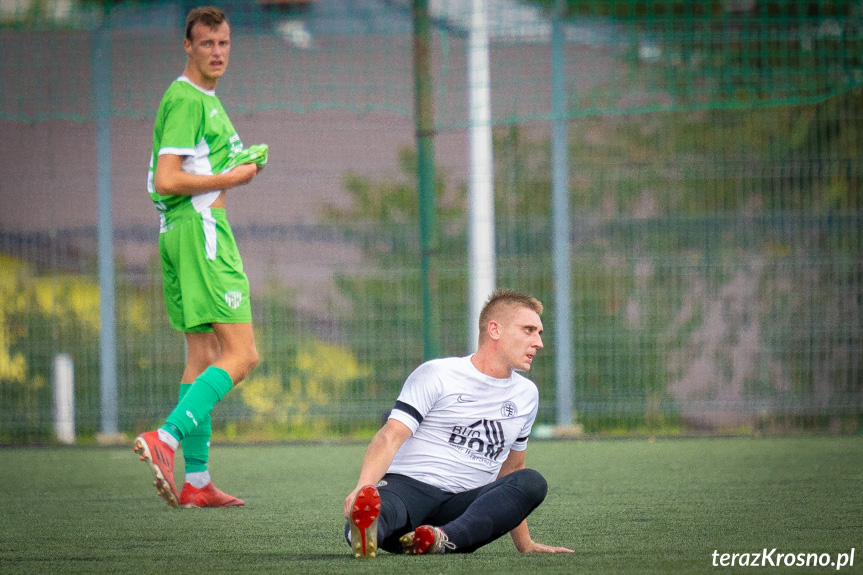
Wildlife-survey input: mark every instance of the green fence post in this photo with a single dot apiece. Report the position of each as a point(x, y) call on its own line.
point(424, 118)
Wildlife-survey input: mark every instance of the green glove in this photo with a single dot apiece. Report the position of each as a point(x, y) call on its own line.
point(256, 154)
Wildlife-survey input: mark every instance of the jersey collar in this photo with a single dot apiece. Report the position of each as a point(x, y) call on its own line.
point(204, 90)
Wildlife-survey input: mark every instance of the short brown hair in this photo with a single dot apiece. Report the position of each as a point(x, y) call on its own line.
point(503, 301)
point(207, 15)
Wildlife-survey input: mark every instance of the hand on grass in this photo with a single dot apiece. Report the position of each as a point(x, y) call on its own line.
point(534, 547)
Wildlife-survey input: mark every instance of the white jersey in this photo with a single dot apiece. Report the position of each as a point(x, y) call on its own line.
point(464, 423)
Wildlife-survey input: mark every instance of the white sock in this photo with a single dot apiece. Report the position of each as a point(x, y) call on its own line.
point(169, 439)
point(198, 478)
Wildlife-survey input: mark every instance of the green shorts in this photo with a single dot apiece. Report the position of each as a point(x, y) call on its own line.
point(202, 273)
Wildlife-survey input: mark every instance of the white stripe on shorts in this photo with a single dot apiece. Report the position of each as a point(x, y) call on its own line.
point(209, 223)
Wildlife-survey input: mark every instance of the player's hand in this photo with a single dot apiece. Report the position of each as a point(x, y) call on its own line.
point(244, 173)
point(349, 500)
point(534, 547)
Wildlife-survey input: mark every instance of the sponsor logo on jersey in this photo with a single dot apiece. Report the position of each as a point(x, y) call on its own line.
point(233, 299)
point(483, 439)
point(213, 112)
point(463, 399)
point(236, 145)
point(508, 409)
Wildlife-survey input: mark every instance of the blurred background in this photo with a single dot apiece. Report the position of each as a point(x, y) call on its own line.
point(679, 182)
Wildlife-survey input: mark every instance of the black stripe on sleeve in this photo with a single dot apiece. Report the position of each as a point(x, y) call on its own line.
point(409, 409)
point(522, 439)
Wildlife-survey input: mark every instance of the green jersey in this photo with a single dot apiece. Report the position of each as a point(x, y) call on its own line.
point(191, 122)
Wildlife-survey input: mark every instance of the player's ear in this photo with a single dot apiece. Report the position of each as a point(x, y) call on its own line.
point(187, 46)
point(493, 330)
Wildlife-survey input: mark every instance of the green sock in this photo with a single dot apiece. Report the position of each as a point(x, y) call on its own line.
point(195, 407)
point(196, 445)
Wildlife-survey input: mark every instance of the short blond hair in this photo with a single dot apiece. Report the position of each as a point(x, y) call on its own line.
point(206, 15)
point(500, 305)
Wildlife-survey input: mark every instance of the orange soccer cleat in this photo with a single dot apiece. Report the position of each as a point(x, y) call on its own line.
point(160, 457)
point(426, 540)
point(207, 496)
point(364, 522)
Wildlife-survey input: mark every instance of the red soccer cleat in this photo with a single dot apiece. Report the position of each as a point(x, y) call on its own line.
point(207, 496)
point(364, 522)
point(160, 457)
point(426, 540)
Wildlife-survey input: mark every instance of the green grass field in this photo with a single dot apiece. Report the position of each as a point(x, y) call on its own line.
point(625, 506)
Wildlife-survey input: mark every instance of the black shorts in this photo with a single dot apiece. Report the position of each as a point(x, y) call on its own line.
point(407, 503)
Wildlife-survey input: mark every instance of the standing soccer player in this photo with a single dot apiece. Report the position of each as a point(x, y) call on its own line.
point(446, 473)
point(197, 156)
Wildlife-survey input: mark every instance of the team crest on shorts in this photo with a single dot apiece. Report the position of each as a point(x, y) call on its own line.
point(508, 409)
point(233, 299)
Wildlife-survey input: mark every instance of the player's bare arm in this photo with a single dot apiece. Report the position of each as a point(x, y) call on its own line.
point(379, 455)
point(171, 180)
point(521, 534)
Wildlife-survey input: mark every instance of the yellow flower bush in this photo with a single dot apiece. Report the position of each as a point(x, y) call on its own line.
point(322, 374)
point(70, 300)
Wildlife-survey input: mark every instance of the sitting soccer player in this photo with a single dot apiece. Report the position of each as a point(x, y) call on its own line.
point(446, 473)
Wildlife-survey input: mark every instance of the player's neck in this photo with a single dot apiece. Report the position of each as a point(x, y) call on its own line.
point(487, 364)
point(197, 79)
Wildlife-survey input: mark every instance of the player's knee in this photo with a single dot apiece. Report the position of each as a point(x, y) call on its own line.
point(241, 363)
point(532, 484)
point(248, 362)
point(252, 359)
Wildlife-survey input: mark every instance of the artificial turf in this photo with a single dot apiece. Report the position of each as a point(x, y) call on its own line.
point(625, 506)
